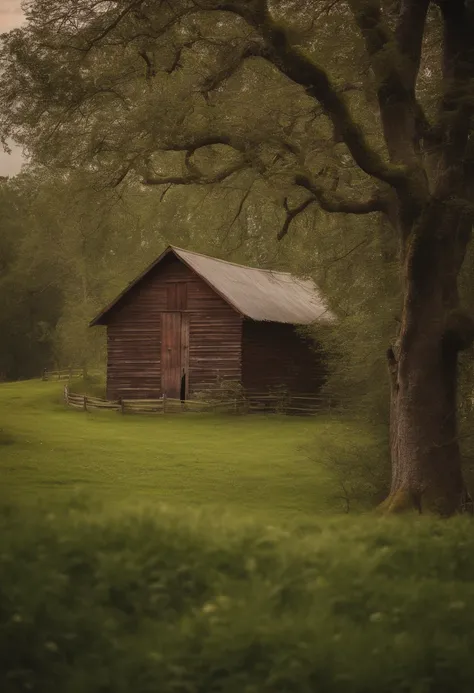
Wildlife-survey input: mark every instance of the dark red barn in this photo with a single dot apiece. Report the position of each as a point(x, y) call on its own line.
point(189, 320)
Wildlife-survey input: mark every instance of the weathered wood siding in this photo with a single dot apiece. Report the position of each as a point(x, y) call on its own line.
point(134, 333)
point(134, 343)
point(274, 355)
point(215, 338)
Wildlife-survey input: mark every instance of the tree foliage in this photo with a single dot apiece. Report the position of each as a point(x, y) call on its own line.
point(30, 299)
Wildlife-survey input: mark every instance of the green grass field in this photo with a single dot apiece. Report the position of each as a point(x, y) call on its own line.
point(198, 554)
point(252, 464)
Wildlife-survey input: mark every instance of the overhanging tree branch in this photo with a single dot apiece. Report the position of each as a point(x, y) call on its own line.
point(333, 202)
point(395, 56)
point(409, 34)
point(276, 47)
point(395, 60)
point(457, 104)
point(199, 141)
point(194, 176)
point(329, 201)
point(251, 50)
point(292, 62)
point(302, 71)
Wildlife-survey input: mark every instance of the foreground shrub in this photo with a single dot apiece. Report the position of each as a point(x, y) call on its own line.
point(161, 603)
point(358, 466)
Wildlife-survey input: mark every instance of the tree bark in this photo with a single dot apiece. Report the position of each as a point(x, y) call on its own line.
point(426, 460)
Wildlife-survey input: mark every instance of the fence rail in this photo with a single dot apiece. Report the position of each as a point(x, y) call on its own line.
point(252, 403)
point(64, 374)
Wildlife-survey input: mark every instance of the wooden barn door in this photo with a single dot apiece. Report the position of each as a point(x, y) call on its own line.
point(174, 355)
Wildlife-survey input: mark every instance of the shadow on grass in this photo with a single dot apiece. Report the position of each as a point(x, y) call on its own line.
point(6, 438)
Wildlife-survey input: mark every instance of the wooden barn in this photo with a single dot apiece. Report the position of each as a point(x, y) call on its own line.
point(190, 320)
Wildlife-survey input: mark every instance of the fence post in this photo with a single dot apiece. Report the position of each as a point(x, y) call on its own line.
point(164, 404)
point(122, 406)
point(85, 403)
point(66, 394)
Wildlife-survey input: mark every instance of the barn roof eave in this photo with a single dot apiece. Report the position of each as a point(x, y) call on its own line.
point(194, 261)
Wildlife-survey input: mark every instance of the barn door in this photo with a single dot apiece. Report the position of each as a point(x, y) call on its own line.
point(174, 355)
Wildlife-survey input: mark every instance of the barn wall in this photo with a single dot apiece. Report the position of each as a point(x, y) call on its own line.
point(134, 335)
point(274, 355)
point(215, 338)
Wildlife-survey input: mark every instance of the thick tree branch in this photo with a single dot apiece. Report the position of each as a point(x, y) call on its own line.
point(211, 83)
point(297, 67)
point(194, 176)
point(456, 113)
point(292, 62)
point(329, 201)
point(201, 141)
point(395, 60)
point(409, 35)
point(333, 202)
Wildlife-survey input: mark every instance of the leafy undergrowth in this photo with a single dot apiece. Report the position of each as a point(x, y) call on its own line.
point(93, 386)
point(189, 604)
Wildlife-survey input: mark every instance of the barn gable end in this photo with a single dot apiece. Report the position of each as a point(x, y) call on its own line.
point(134, 332)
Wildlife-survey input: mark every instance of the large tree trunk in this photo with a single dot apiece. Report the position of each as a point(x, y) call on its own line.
point(426, 460)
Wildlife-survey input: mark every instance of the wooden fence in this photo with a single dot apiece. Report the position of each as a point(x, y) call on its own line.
point(303, 405)
point(65, 374)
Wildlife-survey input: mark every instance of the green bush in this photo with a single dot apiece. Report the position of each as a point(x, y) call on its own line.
point(92, 385)
point(172, 604)
point(225, 394)
point(359, 467)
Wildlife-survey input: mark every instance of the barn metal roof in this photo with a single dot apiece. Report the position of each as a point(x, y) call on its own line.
point(262, 295)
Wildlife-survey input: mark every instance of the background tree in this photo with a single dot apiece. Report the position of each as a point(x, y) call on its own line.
point(30, 300)
point(171, 94)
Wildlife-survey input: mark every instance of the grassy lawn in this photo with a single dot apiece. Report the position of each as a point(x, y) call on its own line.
point(197, 554)
point(254, 464)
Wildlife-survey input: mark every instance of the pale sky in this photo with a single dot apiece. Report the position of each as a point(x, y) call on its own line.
point(11, 16)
